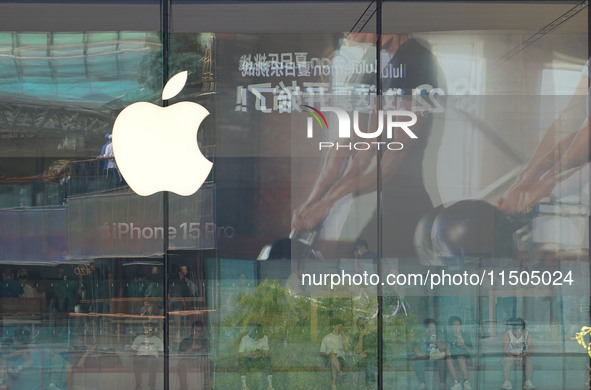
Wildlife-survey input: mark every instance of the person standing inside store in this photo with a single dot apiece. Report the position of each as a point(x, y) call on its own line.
point(183, 287)
point(518, 347)
point(254, 354)
point(194, 352)
point(103, 149)
point(155, 287)
point(332, 349)
point(112, 173)
point(147, 348)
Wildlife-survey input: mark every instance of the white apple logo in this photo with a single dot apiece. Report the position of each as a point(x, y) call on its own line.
point(156, 147)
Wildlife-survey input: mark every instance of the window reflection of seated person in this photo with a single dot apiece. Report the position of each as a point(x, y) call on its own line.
point(332, 349)
point(518, 347)
point(147, 348)
point(254, 354)
point(430, 352)
point(194, 352)
point(459, 348)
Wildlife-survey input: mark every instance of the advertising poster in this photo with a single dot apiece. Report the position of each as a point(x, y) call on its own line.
point(460, 162)
point(454, 184)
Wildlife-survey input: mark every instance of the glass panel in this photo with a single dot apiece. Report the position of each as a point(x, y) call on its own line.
point(266, 328)
point(498, 198)
point(73, 302)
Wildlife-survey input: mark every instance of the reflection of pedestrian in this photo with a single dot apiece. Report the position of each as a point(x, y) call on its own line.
point(429, 352)
point(103, 149)
point(332, 349)
point(518, 347)
point(147, 348)
point(112, 172)
point(254, 354)
point(459, 348)
point(194, 352)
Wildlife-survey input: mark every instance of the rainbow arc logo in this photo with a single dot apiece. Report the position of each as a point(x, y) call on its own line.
point(316, 114)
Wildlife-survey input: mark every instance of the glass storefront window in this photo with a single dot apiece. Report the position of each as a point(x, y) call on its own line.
point(398, 199)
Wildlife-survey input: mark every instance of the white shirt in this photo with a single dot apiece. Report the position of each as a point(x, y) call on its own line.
point(248, 344)
point(147, 346)
point(517, 345)
point(109, 153)
point(332, 343)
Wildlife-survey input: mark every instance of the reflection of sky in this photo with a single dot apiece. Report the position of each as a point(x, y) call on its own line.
point(88, 68)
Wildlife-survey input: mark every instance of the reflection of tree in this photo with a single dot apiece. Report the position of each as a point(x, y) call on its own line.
point(186, 53)
point(281, 315)
point(295, 326)
point(298, 319)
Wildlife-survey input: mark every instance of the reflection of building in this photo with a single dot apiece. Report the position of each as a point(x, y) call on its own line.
point(95, 252)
